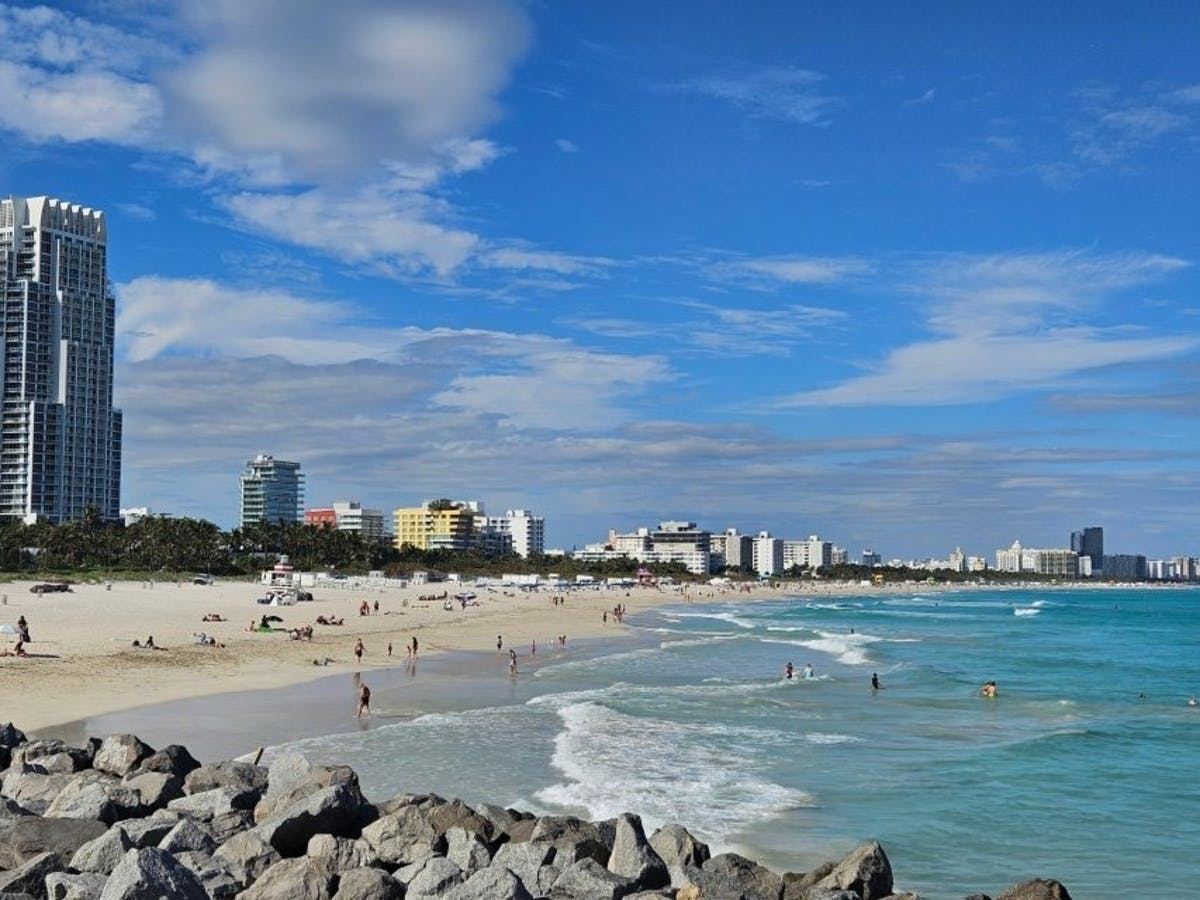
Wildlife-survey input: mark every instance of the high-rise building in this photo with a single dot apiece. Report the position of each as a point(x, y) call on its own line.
point(870, 558)
point(1090, 542)
point(272, 490)
point(523, 532)
point(437, 525)
point(60, 438)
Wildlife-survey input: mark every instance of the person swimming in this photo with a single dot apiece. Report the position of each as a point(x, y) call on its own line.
point(788, 670)
point(1192, 701)
point(875, 686)
point(989, 689)
point(809, 673)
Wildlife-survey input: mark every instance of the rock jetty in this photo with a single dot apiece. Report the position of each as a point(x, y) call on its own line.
point(117, 820)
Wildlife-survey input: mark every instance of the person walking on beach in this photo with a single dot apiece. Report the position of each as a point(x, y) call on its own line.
point(389, 648)
point(414, 647)
point(358, 651)
point(499, 642)
point(364, 700)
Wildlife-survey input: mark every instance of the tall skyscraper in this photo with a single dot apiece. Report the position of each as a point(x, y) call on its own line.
point(1090, 543)
point(60, 438)
point(272, 490)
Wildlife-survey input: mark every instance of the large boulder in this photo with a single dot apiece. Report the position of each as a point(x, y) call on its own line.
point(340, 854)
point(11, 736)
point(30, 876)
point(796, 885)
point(586, 879)
point(467, 851)
point(44, 753)
point(151, 874)
point(490, 884)
point(632, 856)
point(525, 860)
point(101, 855)
point(733, 875)
point(1036, 889)
point(219, 883)
point(436, 877)
point(238, 777)
point(185, 836)
point(455, 814)
point(333, 810)
point(574, 838)
point(247, 856)
point(28, 837)
point(292, 879)
point(368, 884)
point(156, 789)
point(146, 832)
point(316, 779)
point(204, 806)
point(286, 771)
point(866, 871)
point(34, 791)
point(677, 847)
point(10, 811)
point(173, 759)
point(84, 886)
point(94, 795)
point(119, 754)
point(403, 837)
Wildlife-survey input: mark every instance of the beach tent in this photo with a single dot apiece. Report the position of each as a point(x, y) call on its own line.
point(8, 629)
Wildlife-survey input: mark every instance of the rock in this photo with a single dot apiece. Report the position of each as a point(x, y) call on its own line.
point(753, 881)
point(216, 879)
point(11, 736)
point(340, 854)
point(332, 810)
point(94, 795)
point(490, 884)
point(171, 760)
point(26, 838)
point(586, 879)
point(633, 858)
point(525, 860)
point(204, 806)
point(865, 870)
point(797, 885)
point(500, 817)
point(84, 886)
point(30, 876)
point(119, 754)
point(292, 879)
point(467, 851)
point(368, 884)
point(150, 874)
point(156, 789)
point(676, 846)
point(10, 811)
point(403, 837)
point(1036, 889)
point(521, 830)
point(286, 771)
point(187, 835)
point(456, 814)
point(435, 878)
point(65, 763)
point(817, 893)
point(977, 897)
point(903, 895)
point(318, 778)
point(238, 777)
point(247, 856)
point(574, 838)
point(32, 790)
point(32, 752)
point(101, 855)
point(226, 825)
point(146, 832)
point(664, 894)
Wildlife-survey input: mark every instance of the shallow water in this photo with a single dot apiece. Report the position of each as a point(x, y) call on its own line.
point(1069, 773)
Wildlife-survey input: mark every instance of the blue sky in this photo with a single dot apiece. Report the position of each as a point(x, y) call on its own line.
point(908, 277)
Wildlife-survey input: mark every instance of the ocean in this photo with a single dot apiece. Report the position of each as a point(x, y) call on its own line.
point(1082, 769)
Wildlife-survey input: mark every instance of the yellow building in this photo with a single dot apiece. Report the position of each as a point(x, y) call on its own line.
point(436, 525)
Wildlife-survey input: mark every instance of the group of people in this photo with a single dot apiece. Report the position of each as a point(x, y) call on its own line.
point(807, 673)
point(365, 608)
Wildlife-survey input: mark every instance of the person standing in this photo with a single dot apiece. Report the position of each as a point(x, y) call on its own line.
point(875, 686)
point(358, 651)
point(364, 700)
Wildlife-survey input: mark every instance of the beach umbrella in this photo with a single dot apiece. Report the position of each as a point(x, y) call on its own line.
point(8, 629)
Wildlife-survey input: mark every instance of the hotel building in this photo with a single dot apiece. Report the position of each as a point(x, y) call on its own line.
point(272, 490)
point(348, 515)
point(60, 437)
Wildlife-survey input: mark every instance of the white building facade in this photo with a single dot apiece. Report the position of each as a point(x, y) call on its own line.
point(271, 490)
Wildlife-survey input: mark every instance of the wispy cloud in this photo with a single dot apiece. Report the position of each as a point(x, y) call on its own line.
point(566, 146)
point(775, 92)
point(787, 269)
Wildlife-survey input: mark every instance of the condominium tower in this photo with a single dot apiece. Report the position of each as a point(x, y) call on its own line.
point(271, 491)
point(60, 438)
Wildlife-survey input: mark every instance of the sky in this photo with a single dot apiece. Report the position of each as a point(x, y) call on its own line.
point(907, 276)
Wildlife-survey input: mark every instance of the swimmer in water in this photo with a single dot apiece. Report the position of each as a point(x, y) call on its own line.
point(788, 670)
point(808, 672)
point(1192, 701)
point(989, 690)
point(875, 686)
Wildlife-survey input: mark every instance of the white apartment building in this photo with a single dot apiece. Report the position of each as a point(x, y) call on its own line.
point(812, 553)
point(767, 555)
point(958, 560)
point(351, 516)
point(60, 437)
point(1010, 560)
point(524, 533)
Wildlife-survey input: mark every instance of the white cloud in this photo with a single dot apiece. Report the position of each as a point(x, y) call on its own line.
point(566, 146)
point(774, 92)
point(519, 257)
point(788, 269)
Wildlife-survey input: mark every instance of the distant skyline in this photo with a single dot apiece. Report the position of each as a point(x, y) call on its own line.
point(909, 277)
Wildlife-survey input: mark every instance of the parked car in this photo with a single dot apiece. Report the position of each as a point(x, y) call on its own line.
point(202, 578)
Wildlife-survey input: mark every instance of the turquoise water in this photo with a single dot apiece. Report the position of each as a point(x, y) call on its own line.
point(1068, 774)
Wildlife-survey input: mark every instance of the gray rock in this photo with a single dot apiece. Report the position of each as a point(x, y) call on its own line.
point(10, 811)
point(467, 851)
point(101, 855)
point(119, 754)
point(238, 777)
point(652, 895)
point(436, 877)
point(156, 789)
point(94, 795)
point(368, 884)
point(1036, 889)
point(332, 810)
point(187, 835)
point(866, 871)
point(490, 884)
point(586, 879)
point(171, 760)
point(204, 806)
point(403, 837)
point(226, 825)
point(32, 790)
point(633, 858)
point(11, 736)
point(449, 814)
point(818, 893)
point(574, 838)
point(31, 753)
point(247, 856)
point(904, 895)
point(217, 880)
point(317, 779)
point(84, 886)
point(500, 817)
point(754, 881)
point(146, 832)
point(151, 874)
point(64, 763)
point(26, 838)
point(30, 876)
point(678, 848)
point(340, 854)
point(524, 860)
point(286, 771)
point(977, 897)
point(292, 879)
point(521, 830)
